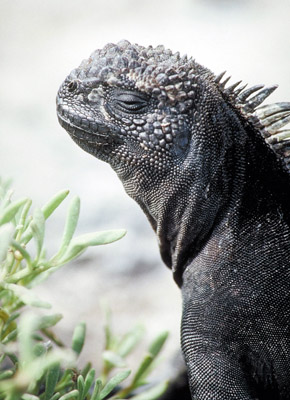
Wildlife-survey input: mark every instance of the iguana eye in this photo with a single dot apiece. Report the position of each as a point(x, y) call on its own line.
point(130, 102)
point(72, 86)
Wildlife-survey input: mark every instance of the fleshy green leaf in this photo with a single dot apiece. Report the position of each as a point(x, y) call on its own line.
point(86, 369)
point(53, 203)
point(10, 337)
point(80, 243)
point(56, 396)
point(13, 317)
point(113, 382)
point(33, 371)
point(26, 296)
point(27, 325)
point(10, 211)
point(97, 390)
point(79, 337)
point(22, 219)
point(89, 381)
point(39, 349)
point(80, 386)
point(70, 395)
point(130, 341)
point(108, 327)
point(145, 364)
point(47, 210)
point(6, 374)
point(38, 227)
point(114, 359)
point(153, 393)
point(158, 343)
point(47, 321)
point(28, 396)
point(71, 223)
point(51, 379)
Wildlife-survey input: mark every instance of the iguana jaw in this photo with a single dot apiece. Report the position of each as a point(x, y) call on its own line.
point(82, 135)
point(93, 136)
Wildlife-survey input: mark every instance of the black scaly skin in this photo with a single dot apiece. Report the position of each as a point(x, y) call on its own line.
point(217, 196)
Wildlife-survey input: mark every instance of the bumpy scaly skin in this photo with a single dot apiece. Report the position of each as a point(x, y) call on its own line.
point(193, 155)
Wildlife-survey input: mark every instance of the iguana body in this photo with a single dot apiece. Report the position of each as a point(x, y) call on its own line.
point(195, 157)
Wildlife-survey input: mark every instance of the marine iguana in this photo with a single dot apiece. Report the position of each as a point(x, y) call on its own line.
point(209, 167)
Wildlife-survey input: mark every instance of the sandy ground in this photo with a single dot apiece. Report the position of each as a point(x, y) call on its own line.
point(40, 42)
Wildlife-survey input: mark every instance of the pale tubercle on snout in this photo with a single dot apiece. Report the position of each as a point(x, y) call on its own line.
point(97, 97)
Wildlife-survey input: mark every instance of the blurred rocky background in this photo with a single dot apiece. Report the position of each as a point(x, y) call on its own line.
point(40, 42)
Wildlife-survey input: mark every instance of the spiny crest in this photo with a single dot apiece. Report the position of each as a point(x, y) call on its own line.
point(156, 71)
point(271, 117)
point(123, 58)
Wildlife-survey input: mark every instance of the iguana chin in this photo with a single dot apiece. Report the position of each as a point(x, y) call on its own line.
point(210, 171)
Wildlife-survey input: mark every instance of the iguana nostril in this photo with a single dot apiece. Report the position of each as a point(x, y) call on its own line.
point(72, 86)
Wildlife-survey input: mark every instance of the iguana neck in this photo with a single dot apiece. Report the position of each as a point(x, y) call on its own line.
point(233, 184)
point(183, 211)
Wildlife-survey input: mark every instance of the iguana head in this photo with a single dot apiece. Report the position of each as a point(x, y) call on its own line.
point(170, 129)
point(133, 106)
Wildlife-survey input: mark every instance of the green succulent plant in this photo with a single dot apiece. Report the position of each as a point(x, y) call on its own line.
point(34, 363)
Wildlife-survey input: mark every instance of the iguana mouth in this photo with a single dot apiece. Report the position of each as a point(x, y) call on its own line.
point(82, 130)
point(80, 133)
